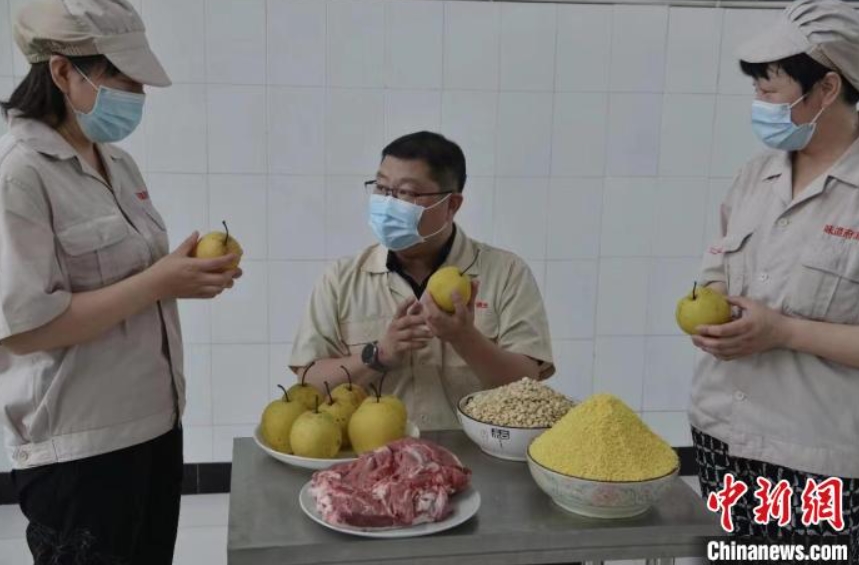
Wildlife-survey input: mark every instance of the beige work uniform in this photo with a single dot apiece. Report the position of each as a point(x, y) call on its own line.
point(800, 257)
point(64, 231)
point(355, 300)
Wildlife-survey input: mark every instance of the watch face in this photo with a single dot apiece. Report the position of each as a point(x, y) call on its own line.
point(368, 354)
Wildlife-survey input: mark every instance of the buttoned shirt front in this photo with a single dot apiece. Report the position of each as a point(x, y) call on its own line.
point(64, 230)
point(799, 256)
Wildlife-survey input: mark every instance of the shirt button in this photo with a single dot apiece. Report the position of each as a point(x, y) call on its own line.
point(783, 222)
point(22, 456)
point(740, 395)
point(763, 277)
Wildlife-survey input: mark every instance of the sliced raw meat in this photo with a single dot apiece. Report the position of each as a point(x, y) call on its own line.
point(407, 482)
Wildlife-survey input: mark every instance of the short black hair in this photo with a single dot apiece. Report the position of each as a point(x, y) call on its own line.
point(804, 70)
point(444, 158)
point(38, 98)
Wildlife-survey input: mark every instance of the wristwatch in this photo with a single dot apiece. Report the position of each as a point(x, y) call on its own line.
point(370, 357)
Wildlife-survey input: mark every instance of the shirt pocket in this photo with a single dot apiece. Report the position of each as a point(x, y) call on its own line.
point(358, 333)
point(99, 252)
point(157, 227)
point(825, 284)
point(734, 257)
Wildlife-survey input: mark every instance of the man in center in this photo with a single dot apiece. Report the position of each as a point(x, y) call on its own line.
point(372, 315)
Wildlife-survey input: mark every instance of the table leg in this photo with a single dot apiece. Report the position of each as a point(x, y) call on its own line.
point(660, 561)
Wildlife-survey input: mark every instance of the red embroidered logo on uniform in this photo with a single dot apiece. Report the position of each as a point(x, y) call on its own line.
point(143, 195)
point(481, 304)
point(715, 251)
point(838, 231)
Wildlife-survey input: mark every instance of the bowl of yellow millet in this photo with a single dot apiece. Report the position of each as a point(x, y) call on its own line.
point(602, 461)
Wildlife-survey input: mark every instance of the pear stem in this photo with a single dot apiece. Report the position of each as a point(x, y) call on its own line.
point(382, 383)
point(304, 374)
point(694, 287)
point(227, 230)
point(328, 390)
point(376, 392)
point(348, 376)
point(285, 394)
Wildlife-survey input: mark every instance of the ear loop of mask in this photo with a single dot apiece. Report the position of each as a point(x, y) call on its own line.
point(816, 117)
point(91, 83)
point(426, 237)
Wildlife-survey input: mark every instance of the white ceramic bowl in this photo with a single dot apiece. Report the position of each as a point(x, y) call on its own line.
point(314, 463)
point(504, 442)
point(600, 499)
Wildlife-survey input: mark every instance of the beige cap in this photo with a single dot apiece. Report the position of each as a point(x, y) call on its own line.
point(825, 30)
point(78, 28)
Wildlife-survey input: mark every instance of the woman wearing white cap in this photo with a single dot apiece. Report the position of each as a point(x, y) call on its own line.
point(91, 383)
point(777, 395)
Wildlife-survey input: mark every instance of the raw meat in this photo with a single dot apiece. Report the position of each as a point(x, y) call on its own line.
point(407, 482)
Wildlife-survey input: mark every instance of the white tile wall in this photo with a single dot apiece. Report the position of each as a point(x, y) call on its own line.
point(413, 46)
point(600, 141)
point(638, 48)
point(471, 45)
point(528, 47)
point(236, 41)
point(583, 58)
point(184, 53)
point(296, 131)
point(296, 42)
point(6, 44)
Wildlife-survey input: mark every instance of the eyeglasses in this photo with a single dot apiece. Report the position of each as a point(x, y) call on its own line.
point(372, 187)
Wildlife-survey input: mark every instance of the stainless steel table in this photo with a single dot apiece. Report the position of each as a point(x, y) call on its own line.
point(517, 523)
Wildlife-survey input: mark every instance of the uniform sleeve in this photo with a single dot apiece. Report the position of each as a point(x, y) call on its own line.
point(712, 265)
point(319, 334)
point(523, 326)
point(33, 287)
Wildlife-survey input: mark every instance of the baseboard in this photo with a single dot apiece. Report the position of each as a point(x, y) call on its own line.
point(214, 478)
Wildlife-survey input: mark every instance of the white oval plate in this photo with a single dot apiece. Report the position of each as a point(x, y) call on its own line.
point(465, 505)
point(317, 464)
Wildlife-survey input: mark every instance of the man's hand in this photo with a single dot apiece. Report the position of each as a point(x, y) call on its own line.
point(407, 332)
point(758, 329)
point(452, 328)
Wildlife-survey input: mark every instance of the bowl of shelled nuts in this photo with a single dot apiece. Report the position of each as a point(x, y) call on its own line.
point(503, 421)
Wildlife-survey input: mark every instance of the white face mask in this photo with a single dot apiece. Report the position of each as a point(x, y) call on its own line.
point(774, 125)
point(395, 222)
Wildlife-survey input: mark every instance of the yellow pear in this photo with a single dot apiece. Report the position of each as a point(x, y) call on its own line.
point(341, 411)
point(444, 282)
point(349, 391)
point(307, 394)
point(392, 401)
point(217, 244)
point(374, 424)
point(702, 307)
point(315, 434)
point(277, 421)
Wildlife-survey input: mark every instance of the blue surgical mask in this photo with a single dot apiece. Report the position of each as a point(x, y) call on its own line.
point(395, 222)
point(774, 126)
point(114, 116)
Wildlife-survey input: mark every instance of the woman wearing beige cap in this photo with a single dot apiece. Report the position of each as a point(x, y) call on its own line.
point(91, 383)
point(777, 395)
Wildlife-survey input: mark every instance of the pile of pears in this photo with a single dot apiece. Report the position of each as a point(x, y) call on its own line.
point(306, 423)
